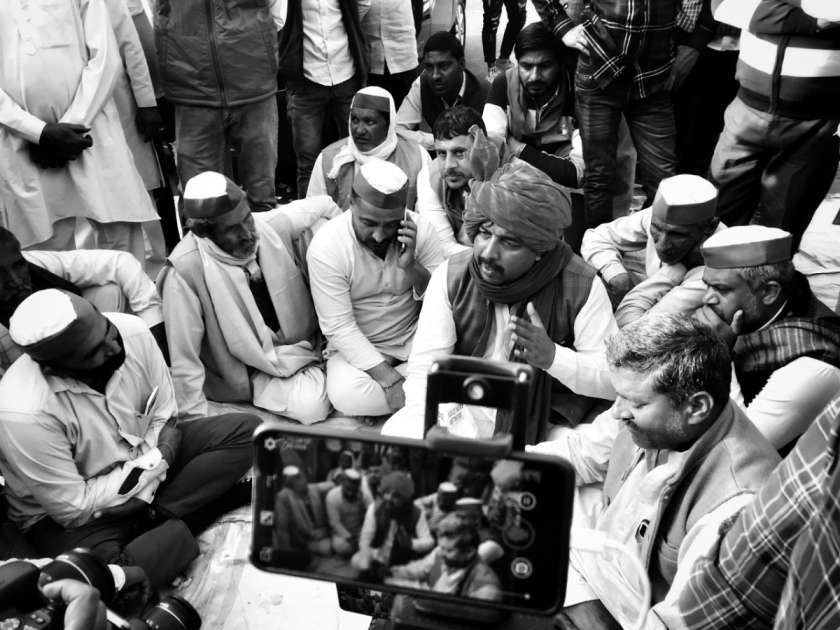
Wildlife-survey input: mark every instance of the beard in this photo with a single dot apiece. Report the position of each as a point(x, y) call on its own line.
point(97, 378)
point(380, 249)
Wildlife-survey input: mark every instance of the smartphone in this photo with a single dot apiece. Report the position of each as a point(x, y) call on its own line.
point(393, 515)
point(405, 218)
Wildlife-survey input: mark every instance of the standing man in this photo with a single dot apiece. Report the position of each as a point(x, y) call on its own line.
point(785, 342)
point(368, 271)
point(625, 67)
point(778, 153)
point(63, 155)
point(392, 46)
point(89, 440)
point(444, 83)
point(219, 68)
point(323, 61)
point(520, 294)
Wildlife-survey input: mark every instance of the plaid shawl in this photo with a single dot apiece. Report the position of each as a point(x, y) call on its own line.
point(809, 329)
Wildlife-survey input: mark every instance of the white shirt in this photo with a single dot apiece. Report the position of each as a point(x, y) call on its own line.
point(326, 47)
point(818, 257)
point(65, 449)
point(389, 30)
point(430, 206)
point(582, 369)
point(366, 306)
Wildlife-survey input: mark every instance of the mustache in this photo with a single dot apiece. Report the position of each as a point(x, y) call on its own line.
point(491, 264)
point(453, 172)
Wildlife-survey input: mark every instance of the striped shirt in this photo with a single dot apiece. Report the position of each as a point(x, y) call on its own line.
point(739, 585)
point(637, 36)
point(788, 65)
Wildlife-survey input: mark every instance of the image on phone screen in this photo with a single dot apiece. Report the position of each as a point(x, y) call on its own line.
point(388, 514)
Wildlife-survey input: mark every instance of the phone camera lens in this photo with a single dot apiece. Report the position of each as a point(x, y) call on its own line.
point(474, 390)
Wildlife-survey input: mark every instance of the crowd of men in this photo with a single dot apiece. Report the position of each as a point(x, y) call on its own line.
point(625, 208)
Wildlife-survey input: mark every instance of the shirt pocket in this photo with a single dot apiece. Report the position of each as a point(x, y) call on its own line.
point(53, 23)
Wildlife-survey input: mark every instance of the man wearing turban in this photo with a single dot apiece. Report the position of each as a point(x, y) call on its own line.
point(241, 323)
point(90, 448)
point(373, 136)
point(521, 295)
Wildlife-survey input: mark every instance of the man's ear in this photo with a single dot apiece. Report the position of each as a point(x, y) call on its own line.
point(462, 63)
point(699, 406)
point(769, 292)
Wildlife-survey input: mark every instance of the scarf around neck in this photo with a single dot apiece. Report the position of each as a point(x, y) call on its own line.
point(351, 153)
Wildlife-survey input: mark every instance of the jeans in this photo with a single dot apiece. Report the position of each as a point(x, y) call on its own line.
point(515, 21)
point(206, 135)
point(699, 105)
point(307, 105)
point(771, 169)
point(651, 123)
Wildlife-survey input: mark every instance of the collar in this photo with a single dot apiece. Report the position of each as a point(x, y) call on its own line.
point(58, 384)
point(461, 92)
point(545, 105)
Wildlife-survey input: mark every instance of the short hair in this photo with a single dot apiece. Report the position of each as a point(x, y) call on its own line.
point(444, 41)
point(461, 526)
point(457, 121)
point(683, 356)
point(782, 272)
point(536, 36)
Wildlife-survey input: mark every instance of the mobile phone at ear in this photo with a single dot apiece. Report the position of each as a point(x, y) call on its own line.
point(393, 515)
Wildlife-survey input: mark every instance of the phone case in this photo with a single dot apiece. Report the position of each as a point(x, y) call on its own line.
point(534, 530)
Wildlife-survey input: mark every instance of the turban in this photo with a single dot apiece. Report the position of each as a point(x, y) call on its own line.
point(48, 323)
point(382, 184)
point(747, 246)
point(685, 200)
point(523, 200)
point(399, 483)
point(211, 195)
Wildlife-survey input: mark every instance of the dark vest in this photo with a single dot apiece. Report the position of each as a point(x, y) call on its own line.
point(383, 523)
point(475, 95)
point(291, 40)
point(574, 283)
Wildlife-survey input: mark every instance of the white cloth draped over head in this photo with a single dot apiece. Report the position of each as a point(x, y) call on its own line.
point(350, 153)
point(248, 338)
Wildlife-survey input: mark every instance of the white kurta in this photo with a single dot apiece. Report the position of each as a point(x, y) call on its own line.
point(58, 63)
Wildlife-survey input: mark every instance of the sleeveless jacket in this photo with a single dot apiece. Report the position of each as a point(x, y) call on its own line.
point(406, 156)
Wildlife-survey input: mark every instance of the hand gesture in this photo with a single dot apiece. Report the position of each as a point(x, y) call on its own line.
point(576, 39)
point(683, 64)
point(85, 610)
point(727, 331)
point(65, 140)
point(395, 396)
point(618, 287)
point(532, 343)
point(149, 122)
point(407, 237)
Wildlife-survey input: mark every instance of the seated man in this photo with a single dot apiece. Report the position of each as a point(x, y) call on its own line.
point(739, 582)
point(463, 154)
point(346, 506)
point(368, 271)
point(241, 323)
point(88, 441)
point(444, 83)
point(454, 566)
point(530, 105)
point(520, 294)
point(684, 459)
point(670, 232)
point(110, 279)
point(373, 135)
point(394, 531)
point(785, 342)
point(300, 513)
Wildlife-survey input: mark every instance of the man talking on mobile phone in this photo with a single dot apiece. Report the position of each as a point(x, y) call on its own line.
point(520, 294)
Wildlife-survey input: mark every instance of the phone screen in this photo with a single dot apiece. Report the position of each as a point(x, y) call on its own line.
point(394, 515)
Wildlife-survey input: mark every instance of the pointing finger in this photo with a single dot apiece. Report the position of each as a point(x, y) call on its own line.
point(535, 317)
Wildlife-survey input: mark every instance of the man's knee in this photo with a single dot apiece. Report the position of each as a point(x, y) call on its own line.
point(343, 546)
point(228, 430)
point(309, 402)
point(352, 395)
